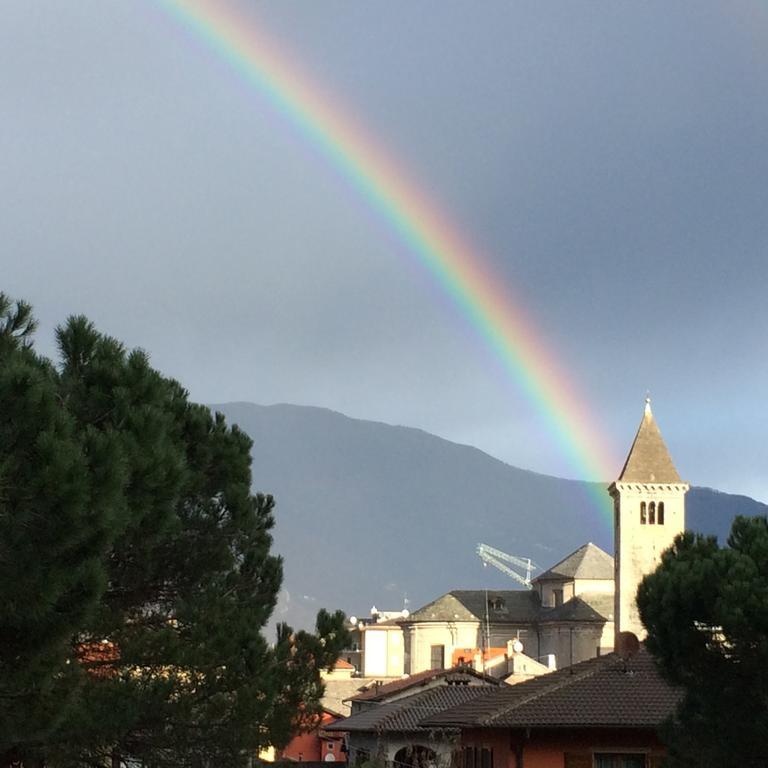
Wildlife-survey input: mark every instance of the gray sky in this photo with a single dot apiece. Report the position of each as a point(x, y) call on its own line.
point(610, 159)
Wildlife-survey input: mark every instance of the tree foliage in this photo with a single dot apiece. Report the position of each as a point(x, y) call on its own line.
point(136, 568)
point(706, 612)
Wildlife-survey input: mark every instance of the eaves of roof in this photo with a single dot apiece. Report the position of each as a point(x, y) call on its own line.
point(601, 692)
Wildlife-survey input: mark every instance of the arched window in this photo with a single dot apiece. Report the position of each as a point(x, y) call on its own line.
point(643, 519)
point(418, 756)
point(660, 517)
point(652, 513)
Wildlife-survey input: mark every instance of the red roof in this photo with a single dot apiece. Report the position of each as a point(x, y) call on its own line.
point(341, 664)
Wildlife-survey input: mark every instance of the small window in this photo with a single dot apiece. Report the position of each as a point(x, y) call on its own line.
point(557, 596)
point(660, 515)
point(469, 757)
point(652, 513)
point(437, 657)
point(486, 758)
point(643, 517)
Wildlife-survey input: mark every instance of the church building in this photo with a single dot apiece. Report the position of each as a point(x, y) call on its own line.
point(576, 608)
point(649, 511)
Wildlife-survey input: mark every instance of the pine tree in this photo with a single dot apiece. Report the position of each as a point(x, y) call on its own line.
point(706, 612)
point(57, 491)
point(188, 580)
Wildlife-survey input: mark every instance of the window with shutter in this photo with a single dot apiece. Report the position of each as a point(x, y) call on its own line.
point(437, 657)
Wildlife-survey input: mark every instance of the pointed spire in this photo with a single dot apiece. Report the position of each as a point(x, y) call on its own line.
point(649, 460)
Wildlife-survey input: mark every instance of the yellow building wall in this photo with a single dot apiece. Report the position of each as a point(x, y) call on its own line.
point(383, 652)
point(419, 639)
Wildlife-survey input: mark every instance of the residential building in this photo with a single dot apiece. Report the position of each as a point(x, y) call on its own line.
point(317, 744)
point(341, 684)
point(601, 713)
point(385, 719)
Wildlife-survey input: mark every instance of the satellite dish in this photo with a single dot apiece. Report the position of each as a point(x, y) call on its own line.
point(517, 646)
point(405, 613)
point(627, 645)
point(353, 620)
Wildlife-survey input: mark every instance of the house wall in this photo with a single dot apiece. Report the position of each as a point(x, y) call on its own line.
point(547, 591)
point(568, 642)
point(383, 652)
point(501, 634)
point(571, 643)
point(386, 746)
point(495, 739)
point(420, 637)
point(607, 638)
point(572, 588)
point(312, 746)
point(539, 748)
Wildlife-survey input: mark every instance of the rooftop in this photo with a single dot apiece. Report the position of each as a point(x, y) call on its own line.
point(405, 715)
point(587, 562)
point(586, 607)
point(511, 605)
point(649, 460)
point(455, 676)
point(602, 692)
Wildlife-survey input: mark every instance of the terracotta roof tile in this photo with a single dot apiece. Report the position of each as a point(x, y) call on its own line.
point(381, 692)
point(405, 715)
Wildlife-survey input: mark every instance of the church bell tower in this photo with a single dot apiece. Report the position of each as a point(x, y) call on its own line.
point(649, 511)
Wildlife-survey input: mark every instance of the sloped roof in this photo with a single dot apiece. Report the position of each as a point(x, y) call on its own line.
point(511, 605)
point(602, 692)
point(404, 715)
point(587, 607)
point(587, 562)
point(649, 460)
point(457, 675)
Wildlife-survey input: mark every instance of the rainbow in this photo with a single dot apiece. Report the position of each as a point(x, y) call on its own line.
point(430, 237)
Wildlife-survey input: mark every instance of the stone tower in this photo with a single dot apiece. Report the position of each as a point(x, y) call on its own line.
point(649, 511)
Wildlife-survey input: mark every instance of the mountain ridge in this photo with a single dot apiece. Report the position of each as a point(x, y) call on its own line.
point(373, 513)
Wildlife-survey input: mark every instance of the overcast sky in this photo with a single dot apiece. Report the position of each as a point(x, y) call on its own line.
point(609, 158)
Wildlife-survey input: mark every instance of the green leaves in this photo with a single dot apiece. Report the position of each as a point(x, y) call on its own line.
point(17, 325)
point(128, 527)
point(706, 612)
